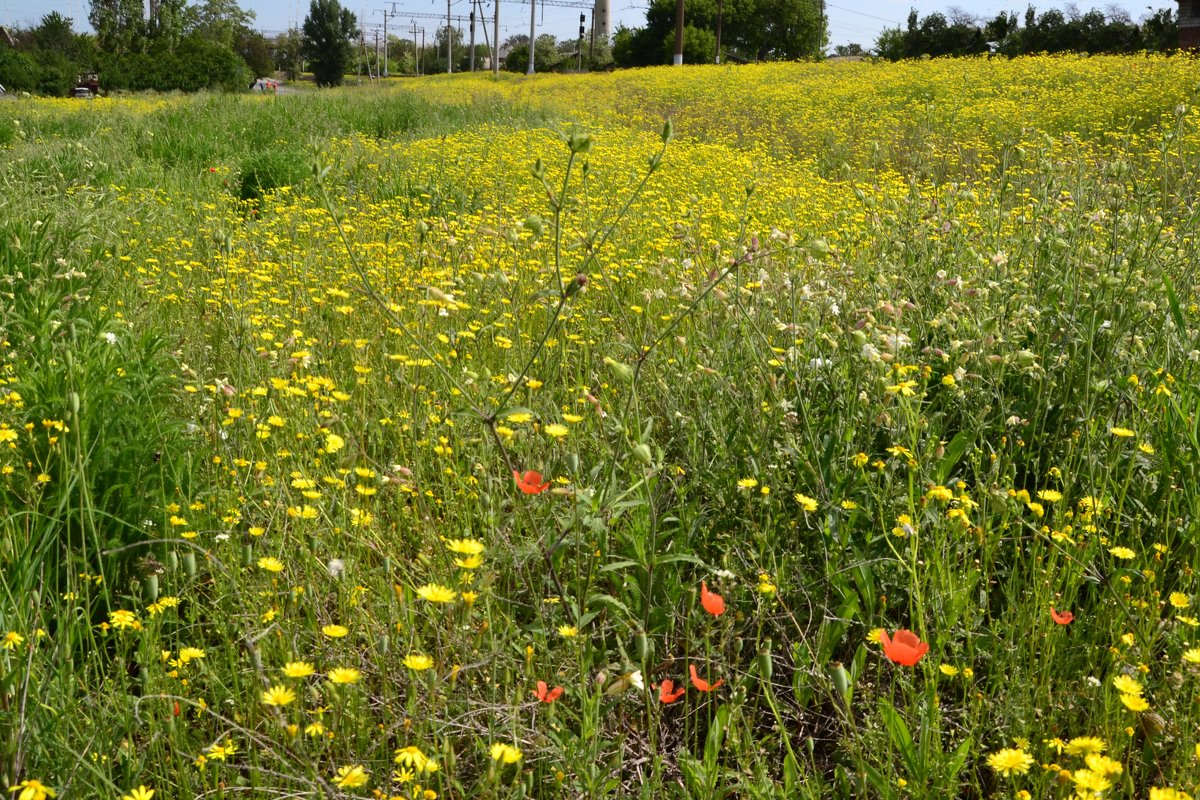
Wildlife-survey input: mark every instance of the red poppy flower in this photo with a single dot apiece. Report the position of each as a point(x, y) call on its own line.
point(530, 482)
point(546, 694)
point(667, 693)
point(905, 647)
point(1061, 617)
point(713, 603)
point(702, 684)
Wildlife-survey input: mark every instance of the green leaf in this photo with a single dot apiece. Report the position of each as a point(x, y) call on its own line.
point(902, 740)
point(954, 452)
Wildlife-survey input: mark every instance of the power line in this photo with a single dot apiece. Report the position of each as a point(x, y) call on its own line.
point(862, 14)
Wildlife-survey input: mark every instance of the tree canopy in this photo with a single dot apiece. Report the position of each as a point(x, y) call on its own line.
point(328, 30)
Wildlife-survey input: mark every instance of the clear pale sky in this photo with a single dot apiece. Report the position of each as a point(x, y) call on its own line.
point(849, 20)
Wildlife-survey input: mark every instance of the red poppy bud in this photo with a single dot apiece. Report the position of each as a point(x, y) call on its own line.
point(904, 648)
point(713, 603)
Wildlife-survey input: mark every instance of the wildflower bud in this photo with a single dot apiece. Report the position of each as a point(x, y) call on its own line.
point(572, 463)
point(766, 666)
point(624, 371)
point(73, 399)
point(819, 248)
point(247, 555)
point(151, 588)
point(642, 453)
point(841, 680)
point(422, 230)
point(533, 224)
point(668, 130)
point(645, 647)
point(539, 169)
point(580, 143)
point(172, 560)
point(574, 286)
point(189, 564)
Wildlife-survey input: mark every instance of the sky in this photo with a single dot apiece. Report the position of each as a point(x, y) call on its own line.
point(858, 21)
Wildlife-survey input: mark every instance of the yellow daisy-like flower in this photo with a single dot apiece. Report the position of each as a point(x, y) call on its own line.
point(1121, 433)
point(140, 793)
point(417, 662)
point(1126, 685)
point(278, 696)
point(351, 777)
point(32, 790)
point(412, 758)
point(298, 669)
point(939, 493)
point(12, 640)
point(556, 430)
point(1122, 552)
point(875, 635)
point(1049, 495)
point(747, 483)
point(123, 619)
point(1090, 784)
point(1103, 764)
point(1180, 600)
point(1168, 794)
point(465, 547)
point(948, 670)
point(270, 564)
point(1083, 745)
point(436, 593)
point(335, 631)
point(344, 675)
point(470, 562)
point(505, 752)
point(1010, 761)
point(807, 503)
point(1135, 702)
point(333, 443)
point(568, 631)
point(1192, 656)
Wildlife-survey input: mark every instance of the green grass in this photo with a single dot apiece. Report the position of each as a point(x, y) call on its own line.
point(266, 359)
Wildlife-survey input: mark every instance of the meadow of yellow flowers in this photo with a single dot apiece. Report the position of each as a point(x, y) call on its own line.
point(790, 430)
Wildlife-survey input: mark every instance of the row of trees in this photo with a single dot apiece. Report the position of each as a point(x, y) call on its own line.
point(748, 30)
point(1052, 31)
point(179, 47)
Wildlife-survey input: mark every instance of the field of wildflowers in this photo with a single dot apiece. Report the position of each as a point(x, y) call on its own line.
point(798, 431)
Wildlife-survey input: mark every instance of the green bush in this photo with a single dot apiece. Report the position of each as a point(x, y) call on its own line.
point(269, 171)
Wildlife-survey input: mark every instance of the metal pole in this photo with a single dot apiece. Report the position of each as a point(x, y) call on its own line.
point(422, 50)
point(592, 43)
point(416, 52)
point(582, 19)
point(449, 41)
point(472, 37)
point(385, 44)
point(720, 10)
point(678, 32)
point(533, 32)
point(496, 42)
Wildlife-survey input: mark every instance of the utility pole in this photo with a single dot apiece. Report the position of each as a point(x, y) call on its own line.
point(592, 43)
point(496, 42)
point(449, 41)
point(533, 32)
point(422, 50)
point(678, 33)
point(582, 19)
point(416, 52)
point(720, 9)
point(385, 44)
point(472, 36)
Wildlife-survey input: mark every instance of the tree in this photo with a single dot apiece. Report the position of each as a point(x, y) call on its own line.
point(852, 50)
point(118, 24)
point(54, 34)
point(220, 20)
point(287, 53)
point(253, 48)
point(328, 30)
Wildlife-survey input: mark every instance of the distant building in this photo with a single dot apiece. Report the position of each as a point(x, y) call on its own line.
point(1189, 24)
